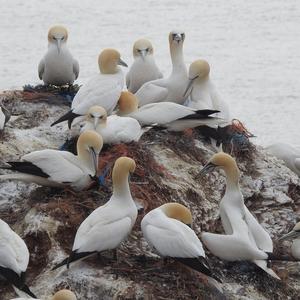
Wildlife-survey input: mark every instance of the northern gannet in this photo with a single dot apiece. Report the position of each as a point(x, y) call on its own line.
point(171, 88)
point(109, 225)
point(245, 238)
point(144, 68)
point(167, 229)
point(60, 168)
point(4, 117)
point(103, 89)
point(14, 258)
point(295, 236)
point(289, 154)
point(202, 92)
point(113, 129)
point(172, 116)
point(58, 67)
point(60, 295)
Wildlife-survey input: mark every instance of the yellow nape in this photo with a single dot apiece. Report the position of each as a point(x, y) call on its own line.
point(89, 138)
point(178, 211)
point(57, 31)
point(108, 61)
point(128, 103)
point(199, 68)
point(64, 295)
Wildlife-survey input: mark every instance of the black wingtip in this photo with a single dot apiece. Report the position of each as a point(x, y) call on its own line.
point(74, 256)
point(26, 290)
point(69, 116)
point(199, 264)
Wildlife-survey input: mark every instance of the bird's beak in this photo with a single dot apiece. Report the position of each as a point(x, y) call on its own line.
point(143, 54)
point(94, 156)
point(291, 235)
point(177, 38)
point(58, 45)
point(191, 81)
point(122, 63)
point(96, 122)
point(206, 169)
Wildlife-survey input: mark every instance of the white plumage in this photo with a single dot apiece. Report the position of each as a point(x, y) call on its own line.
point(172, 88)
point(203, 94)
point(144, 68)
point(60, 168)
point(289, 154)
point(103, 89)
point(58, 67)
point(245, 238)
point(107, 226)
point(113, 129)
point(4, 117)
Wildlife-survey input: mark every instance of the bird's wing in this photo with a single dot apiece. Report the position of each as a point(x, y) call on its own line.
point(100, 231)
point(177, 240)
point(76, 68)
point(150, 92)
point(259, 234)
point(41, 68)
point(60, 166)
point(103, 90)
point(161, 113)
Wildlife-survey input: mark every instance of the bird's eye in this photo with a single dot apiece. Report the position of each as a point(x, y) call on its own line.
point(147, 50)
point(91, 116)
point(183, 35)
point(174, 35)
point(62, 38)
point(54, 38)
point(138, 50)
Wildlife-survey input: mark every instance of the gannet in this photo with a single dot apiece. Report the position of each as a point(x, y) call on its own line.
point(172, 116)
point(245, 238)
point(14, 258)
point(167, 229)
point(60, 168)
point(144, 68)
point(202, 92)
point(104, 89)
point(60, 295)
point(113, 129)
point(109, 225)
point(4, 117)
point(171, 88)
point(58, 67)
point(289, 154)
point(295, 235)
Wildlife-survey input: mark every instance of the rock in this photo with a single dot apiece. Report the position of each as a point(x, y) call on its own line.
point(167, 169)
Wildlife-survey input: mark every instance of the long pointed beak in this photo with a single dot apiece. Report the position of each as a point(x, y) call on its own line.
point(206, 169)
point(291, 235)
point(122, 63)
point(58, 45)
point(94, 156)
point(143, 54)
point(96, 122)
point(191, 81)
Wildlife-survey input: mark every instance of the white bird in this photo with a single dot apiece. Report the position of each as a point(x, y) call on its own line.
point(171, 88)
point(289, 154)
point(103, 89)
point(14, 258)
point(167, 229)
point(144, 68)
point(4, 117)
point(113, 129)
point(58, 67)
point(172, 116)
point(202, 92)
point(109, 225)
point(295, 235)
point(60, 168)
point(245, 238)
point(60, 295)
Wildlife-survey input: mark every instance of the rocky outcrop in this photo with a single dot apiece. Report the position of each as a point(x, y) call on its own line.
point(167, 169)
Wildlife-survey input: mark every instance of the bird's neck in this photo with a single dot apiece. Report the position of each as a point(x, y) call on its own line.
point(232, 177)
point(121, 184)
point(177, 58)
point(85, 158)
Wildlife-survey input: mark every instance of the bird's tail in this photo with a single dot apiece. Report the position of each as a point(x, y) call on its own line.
point(263, 264)
point(74, 256)
point(69, 116)
point(199, 264)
